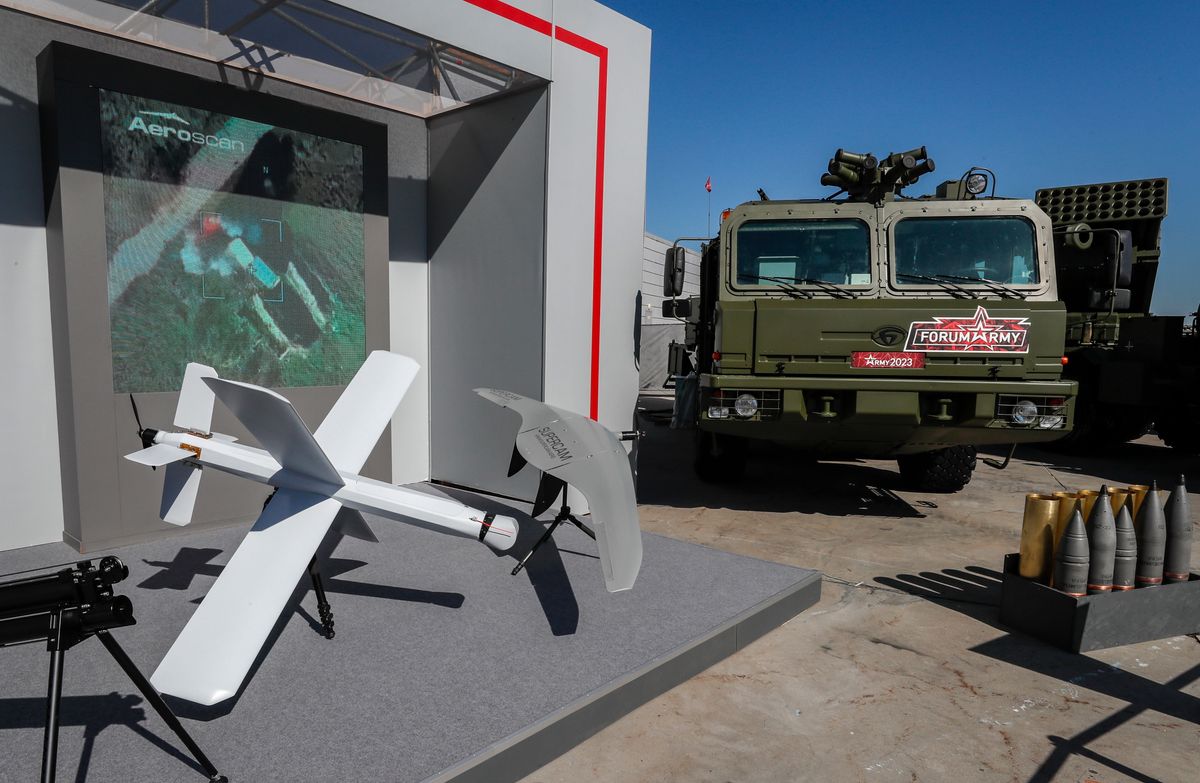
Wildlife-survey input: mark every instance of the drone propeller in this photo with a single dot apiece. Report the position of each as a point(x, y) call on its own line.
point(145, 434)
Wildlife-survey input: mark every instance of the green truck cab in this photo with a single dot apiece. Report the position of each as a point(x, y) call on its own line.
point(875, 325)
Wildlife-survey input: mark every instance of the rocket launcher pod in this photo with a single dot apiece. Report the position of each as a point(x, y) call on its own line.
point(1071, 559)
point(1102, 545)
point(1125, 560)
point(1151, 527)
point(1178, 560)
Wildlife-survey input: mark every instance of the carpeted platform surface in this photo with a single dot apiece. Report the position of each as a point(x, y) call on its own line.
point(439, 654)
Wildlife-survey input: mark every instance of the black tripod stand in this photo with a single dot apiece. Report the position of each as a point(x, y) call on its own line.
point(564, 515)
point(64, 609)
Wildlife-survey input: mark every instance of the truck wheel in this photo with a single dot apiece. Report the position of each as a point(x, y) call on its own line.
point(943, 470)
point(719, 458)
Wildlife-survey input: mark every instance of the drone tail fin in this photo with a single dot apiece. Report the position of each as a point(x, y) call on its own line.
point(195, 407)
point(181, 484)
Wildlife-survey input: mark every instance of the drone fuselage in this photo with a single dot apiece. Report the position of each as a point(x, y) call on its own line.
point(360, 493)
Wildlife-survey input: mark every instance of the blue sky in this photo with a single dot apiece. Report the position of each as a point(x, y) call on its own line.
point(760, 94)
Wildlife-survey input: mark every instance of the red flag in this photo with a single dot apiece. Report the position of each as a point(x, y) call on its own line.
point(708, 184)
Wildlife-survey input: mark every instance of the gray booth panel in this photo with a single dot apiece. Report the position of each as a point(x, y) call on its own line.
point(487, 207)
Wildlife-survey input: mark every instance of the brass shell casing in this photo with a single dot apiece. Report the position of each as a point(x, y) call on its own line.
point(1067, 502)
point(1139, 494)
point(1037, 537)
point(1117, 498)
point(1089, 498)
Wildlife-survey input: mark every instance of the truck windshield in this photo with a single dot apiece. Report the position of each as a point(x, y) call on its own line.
point(830, 251)
point(990, 250)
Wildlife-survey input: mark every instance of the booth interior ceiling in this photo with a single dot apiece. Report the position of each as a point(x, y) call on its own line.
point(316, 43)
point(233, 241)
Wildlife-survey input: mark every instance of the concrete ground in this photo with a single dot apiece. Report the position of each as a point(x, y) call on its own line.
point(902, 671)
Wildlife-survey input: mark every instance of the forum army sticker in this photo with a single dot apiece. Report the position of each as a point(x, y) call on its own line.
point(978, 334)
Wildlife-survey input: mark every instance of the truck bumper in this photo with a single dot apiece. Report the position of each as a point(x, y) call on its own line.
point(885, 416)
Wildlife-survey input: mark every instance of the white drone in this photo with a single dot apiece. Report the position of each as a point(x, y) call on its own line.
point(318, 487)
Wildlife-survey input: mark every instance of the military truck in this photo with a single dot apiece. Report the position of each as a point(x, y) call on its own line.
point(869, 324)
point(1134, 369)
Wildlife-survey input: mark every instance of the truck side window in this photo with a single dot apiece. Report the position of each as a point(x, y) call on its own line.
point(835, 251)
point(1000, 249)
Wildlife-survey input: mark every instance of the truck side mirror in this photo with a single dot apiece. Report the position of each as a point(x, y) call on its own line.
point(677, 308)
point(673, 270)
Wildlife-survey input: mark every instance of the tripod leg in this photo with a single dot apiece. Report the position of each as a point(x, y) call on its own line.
point(53, 697)
point(323, 607)
point(160, 706)
point(545, 537)
point(591, 533)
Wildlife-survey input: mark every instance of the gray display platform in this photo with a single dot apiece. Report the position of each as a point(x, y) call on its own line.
point(444, 667)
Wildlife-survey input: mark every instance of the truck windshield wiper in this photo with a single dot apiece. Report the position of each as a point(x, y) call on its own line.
point(785, 283)
point(832, 288)
point(995, 285)
point(959, 291)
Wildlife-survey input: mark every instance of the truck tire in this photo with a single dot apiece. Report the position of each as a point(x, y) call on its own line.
point(719, 459)
point(943, 470)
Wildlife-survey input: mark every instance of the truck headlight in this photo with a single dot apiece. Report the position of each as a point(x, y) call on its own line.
point(1024, 412)
point(1050, 422)
point(746, 405)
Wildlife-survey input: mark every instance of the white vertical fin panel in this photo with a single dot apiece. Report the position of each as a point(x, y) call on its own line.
point(409, 283)
point(195, 407)
point(181, 485)
point(30, 481)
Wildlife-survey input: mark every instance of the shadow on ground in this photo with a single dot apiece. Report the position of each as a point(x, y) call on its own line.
point(975, 592)
point(972, 590)
point(1139, 462)
point(1081, 672)
point(94, 713)
point(777, 480)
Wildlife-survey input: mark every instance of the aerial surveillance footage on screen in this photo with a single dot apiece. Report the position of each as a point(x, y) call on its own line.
point(230, 242)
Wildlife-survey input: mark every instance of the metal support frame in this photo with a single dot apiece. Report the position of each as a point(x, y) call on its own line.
point(58, 647)
point(564, 515)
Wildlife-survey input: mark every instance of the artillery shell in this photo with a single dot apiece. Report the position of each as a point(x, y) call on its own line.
point(1071, 563)
point(1177, 562)
point(1151, 528)
point(1102, 545)
point(1125, 555)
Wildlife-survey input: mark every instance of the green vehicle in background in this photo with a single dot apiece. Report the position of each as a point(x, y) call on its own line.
point(1134, 369)
point(874, 325)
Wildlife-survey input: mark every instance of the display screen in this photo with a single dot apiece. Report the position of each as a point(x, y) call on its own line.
point(232, 243)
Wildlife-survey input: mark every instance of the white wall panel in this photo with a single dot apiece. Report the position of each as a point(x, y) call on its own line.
point(571, 197)
point(570, 191)
point(30, 484)
point(409, 284)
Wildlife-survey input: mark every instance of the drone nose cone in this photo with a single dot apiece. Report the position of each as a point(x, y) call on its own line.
point(501, 533)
